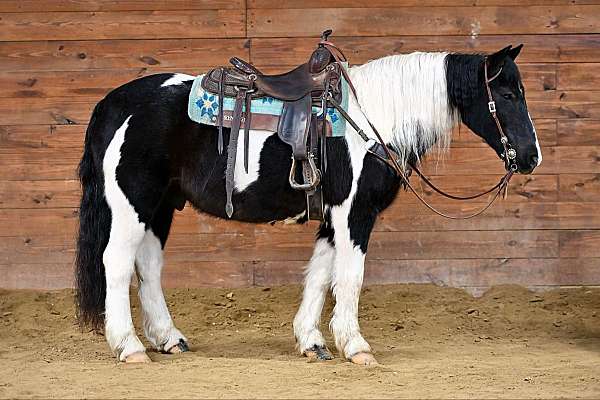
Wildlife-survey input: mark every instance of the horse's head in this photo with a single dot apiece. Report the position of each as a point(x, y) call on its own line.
point(508, 100)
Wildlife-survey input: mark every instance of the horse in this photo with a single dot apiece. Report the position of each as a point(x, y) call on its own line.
point(144, 158)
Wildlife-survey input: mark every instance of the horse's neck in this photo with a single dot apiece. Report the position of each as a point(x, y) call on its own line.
point(409, 107)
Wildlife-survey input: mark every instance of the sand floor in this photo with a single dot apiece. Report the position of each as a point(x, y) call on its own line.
point(431, 342)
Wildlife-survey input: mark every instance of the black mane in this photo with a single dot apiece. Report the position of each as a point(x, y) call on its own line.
point(463, 80)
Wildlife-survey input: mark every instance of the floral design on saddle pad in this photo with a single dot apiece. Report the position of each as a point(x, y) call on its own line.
point(203, 107)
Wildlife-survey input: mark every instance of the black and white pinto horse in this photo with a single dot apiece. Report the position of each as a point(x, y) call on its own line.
point(144, 158)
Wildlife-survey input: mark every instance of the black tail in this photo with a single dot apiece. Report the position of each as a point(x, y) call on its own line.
point(94, 232)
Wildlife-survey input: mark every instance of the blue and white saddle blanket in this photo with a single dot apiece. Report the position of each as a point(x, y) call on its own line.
point(203, 107)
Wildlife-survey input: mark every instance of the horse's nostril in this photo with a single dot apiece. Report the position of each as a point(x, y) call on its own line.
point(533, 160)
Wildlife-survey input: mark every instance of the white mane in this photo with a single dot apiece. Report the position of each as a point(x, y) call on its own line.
point(405, 97)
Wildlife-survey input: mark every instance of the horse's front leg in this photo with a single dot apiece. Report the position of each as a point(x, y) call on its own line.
point(309, 338)
point(348, 270)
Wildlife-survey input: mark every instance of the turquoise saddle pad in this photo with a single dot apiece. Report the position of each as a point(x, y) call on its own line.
point(203, 107)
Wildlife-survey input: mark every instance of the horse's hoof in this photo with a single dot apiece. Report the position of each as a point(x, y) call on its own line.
point(320, 353)
point(138, 357)
point(180, 347)
point(363, 358)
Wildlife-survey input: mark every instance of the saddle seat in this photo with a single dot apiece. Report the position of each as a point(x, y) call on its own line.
point(292, 85)
point(308, 78)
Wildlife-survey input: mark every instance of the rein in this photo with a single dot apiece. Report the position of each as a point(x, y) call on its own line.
point(392, 158)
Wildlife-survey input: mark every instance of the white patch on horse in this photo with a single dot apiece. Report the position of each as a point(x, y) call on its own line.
point(158, 325)
point(537, 143)
point(405, 97)
point(126, 234)
point(316, 283)
point(241, 179)
point(348, 266)
point(177, 79)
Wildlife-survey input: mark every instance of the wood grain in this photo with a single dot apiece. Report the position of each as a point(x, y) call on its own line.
point(77, 55)
point(56, 137)
point(93, 84)
point(406, 3)
point(100, 25)
point(39, 194)
point(578, 132)
point(45, 111)
point(424, 21)
point(116, 5)
point(564, 104)
point(242, 247)
point(578, 76)
point(579, 187)
point(449, 272)
point(577, 244)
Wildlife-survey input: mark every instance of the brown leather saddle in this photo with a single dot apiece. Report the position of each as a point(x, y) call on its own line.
point(314, 83)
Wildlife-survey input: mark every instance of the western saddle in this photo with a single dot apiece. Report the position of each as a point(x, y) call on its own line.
point(316, 83)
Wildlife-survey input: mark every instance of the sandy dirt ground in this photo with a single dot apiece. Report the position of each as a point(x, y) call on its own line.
point(431, 342)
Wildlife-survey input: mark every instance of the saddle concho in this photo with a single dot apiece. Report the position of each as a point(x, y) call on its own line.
point(303, 106)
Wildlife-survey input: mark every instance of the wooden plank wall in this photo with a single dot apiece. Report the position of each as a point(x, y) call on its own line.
point(59, 57)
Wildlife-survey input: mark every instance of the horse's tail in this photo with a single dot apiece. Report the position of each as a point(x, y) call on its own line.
point(94, 232)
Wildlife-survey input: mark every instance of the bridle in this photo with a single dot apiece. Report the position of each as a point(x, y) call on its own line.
point(509, 154)
point(391, 158)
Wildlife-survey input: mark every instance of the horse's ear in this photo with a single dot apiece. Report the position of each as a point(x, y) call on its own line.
point(514, 52)
point(496, 60)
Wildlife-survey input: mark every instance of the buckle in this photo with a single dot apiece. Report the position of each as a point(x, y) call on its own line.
point(492, 106)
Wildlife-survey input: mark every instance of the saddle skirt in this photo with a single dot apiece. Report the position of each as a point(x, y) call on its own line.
point(203, 107)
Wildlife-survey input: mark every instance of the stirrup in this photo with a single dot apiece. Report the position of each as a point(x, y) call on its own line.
point(315, 175)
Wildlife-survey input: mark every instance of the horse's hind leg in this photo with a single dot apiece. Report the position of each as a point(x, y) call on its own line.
point(126, 234)
point(317, 280)
point(158, 325)
point(119, 257)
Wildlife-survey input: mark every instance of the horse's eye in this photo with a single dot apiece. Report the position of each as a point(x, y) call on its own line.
point(508, 96)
